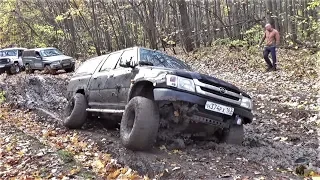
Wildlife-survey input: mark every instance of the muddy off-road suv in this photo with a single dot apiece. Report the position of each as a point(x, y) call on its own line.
point(154, 92)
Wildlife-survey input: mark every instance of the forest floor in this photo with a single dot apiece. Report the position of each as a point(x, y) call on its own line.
point(33, 142)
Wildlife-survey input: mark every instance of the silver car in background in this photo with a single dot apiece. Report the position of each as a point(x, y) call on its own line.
point(48, 59)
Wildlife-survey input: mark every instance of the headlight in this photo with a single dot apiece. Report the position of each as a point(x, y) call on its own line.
point(246, 103)
point(180, 83)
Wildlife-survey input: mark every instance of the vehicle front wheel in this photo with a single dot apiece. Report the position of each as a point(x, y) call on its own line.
point(76, 114)
point(49, 70)
point(68, 70)
point(233, 135)
point(140, 123)
point(28, 69)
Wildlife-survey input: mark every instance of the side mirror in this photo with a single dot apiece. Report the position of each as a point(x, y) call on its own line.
point(38, 56)
point(126, 63)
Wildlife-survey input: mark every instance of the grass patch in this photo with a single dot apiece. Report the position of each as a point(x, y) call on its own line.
point(2, 97)
point(65, 156)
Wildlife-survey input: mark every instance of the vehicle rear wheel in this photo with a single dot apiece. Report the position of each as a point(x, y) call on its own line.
point(76, 114)
point(49, 70)
point(140, 123)
point(233, 135)
point(14, 69)
point(28, 69)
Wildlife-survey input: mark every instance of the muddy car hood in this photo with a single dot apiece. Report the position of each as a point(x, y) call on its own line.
point(57, 58)
point(151, 70)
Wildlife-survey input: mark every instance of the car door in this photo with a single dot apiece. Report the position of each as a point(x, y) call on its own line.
point(101, 93)
point(37, 61)
point(26, 57)
point(122, 76)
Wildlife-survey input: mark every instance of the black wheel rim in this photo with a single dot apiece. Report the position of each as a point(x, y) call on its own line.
point(17, 69)
point(28, 68)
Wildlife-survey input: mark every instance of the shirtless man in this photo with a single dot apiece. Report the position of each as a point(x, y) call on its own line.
point(272, 38)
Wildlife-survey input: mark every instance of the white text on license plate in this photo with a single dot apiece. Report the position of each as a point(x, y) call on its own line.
point(219, 108)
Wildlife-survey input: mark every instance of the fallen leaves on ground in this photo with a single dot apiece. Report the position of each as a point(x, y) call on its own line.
point(284, 128)
point(69, 144)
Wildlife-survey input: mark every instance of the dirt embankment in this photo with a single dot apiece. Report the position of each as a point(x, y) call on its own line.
point(284, 129)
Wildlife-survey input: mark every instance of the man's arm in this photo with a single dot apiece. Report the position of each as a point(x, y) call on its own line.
point(277, 39)
point(262, 39)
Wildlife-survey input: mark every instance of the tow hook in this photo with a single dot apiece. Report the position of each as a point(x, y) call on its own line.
point(238, 120)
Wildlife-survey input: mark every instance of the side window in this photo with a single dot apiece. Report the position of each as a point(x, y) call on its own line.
point(90, 65)
point(25, 53)
point(111, 61)
point(128, 55)
point(37, 54)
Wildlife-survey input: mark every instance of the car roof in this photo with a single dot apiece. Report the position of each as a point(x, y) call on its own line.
point(39, 49)
point(14, 48)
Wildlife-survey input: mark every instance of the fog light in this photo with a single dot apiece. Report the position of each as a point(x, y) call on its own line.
point(238, 120)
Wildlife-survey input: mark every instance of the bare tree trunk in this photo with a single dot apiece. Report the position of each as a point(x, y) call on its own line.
point(185, 25)
point(269, 14)
point(96, 26)
point(292, 26)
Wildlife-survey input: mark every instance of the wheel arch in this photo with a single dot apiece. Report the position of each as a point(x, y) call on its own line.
point(81, 91)
point(142, 88)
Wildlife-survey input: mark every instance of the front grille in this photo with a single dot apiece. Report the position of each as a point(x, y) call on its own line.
point(230, 96)
point(220, 94)
point(4, 61)
point(65, 61)
point(218, 85)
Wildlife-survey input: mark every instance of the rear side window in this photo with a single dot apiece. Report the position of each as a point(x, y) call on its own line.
point(28, 53)
point(90, 65)
point(128, 55)
point(111, 62)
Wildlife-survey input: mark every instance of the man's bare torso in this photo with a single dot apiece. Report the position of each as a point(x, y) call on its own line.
point(272, 37)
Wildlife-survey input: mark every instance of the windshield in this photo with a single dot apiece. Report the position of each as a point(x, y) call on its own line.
point(161, 60)
point(50, 52)
point(8, 53)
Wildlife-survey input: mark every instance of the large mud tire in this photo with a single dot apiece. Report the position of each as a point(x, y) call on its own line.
point(49, 70)
point(69, 70)
point(15, 69)
point(233, 135)
point(76, 114)
point(28, 69)
point(140, 123)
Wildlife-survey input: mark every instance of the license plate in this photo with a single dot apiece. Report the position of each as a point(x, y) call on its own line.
point(219, 108)
point(66, 64)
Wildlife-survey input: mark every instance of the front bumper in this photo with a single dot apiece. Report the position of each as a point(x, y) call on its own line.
point(4, 68)
point(164, 94)
point(58, 66)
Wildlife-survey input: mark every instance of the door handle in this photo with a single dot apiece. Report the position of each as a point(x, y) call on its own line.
point(95, 77)
point(111, 76)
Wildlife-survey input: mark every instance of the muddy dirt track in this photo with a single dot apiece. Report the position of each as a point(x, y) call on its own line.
point(284, 128)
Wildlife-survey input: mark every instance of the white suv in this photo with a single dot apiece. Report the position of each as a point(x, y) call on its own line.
point(11, 60)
